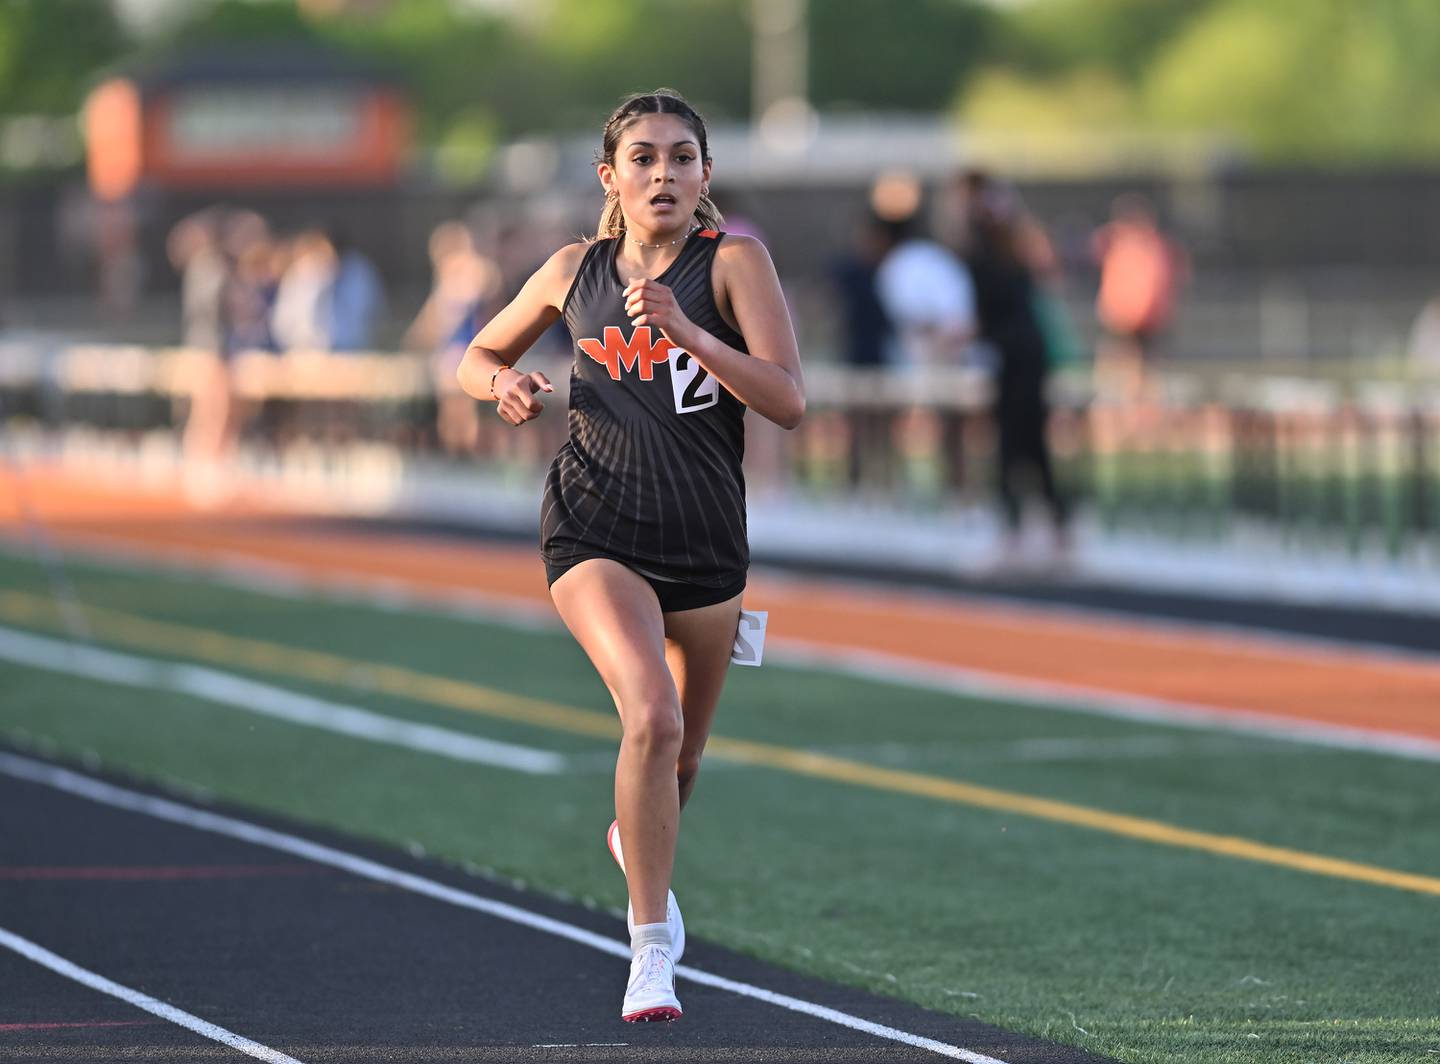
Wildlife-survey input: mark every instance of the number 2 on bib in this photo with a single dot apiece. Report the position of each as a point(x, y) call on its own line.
point(694, 388)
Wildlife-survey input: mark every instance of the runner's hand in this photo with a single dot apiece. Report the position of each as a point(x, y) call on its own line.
point(515, 397)
point(650, 303)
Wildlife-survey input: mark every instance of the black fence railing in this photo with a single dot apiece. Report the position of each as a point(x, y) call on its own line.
point(1327, 465)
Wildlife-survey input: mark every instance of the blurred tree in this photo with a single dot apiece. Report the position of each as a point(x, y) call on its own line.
point(1078, 101)
point(49, 51)
point(1308, 79)
point(450, 58)
point(911, 55)
point(1293, 79)
point(1290, 79)
point(565, 63)
point(238, 21)
point(1049, 37)
point(601, 50)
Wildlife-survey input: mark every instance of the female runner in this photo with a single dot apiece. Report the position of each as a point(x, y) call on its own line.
point(678, 329)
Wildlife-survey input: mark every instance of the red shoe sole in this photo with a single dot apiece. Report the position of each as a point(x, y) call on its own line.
point(610, 837)
point(663, 1014)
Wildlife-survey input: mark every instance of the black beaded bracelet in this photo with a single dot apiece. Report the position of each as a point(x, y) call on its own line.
point(496, 374)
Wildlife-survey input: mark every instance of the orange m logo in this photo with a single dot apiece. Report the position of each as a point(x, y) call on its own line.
point(639, 350)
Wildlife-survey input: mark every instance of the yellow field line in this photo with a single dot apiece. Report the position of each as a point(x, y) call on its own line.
point(134, 631)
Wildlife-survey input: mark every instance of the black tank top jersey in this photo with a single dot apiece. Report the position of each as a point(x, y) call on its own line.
point(651, 474)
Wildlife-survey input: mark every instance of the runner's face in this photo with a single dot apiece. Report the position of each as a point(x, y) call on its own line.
point(658, 173)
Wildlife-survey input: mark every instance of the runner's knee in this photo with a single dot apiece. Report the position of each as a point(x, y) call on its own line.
point(686, 769)
point(655, 728)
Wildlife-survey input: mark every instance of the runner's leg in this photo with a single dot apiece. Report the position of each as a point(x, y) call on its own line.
point(615, 617)
point(697, 648)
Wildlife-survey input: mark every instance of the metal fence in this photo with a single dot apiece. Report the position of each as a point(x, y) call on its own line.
point(1325, 464)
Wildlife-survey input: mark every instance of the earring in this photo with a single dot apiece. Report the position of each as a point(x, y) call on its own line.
point(610, 193)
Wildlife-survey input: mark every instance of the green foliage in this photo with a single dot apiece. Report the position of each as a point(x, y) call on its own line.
point(241, 21)
point(49, 50)
point(1120, 36)
point(450, 62)
point(1321, 80)
point(1082, 100)
point(1307, 78)
point(592, 54)
point(908, 56)
point(1289, 79)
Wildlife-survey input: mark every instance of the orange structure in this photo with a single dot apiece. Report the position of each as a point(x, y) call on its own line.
point(225, 120)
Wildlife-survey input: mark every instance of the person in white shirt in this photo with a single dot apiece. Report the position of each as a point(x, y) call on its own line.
point(928, 296)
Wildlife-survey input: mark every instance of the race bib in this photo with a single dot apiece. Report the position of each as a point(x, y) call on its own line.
point(694, 388)
point(750, 638)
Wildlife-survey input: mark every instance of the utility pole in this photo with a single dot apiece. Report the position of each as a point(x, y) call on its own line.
point(780, 111)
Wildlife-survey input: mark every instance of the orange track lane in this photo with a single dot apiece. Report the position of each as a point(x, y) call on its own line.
point(1353, 688)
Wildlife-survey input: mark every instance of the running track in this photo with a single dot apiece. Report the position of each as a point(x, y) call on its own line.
point(322, 964)
point(327, 949)
point(1291, 682)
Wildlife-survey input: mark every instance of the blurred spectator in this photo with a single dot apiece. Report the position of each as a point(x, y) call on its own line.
point(927, 296)
point(302, 319)
point(248, 299)
point(1141, 271)
point(865, 333)
point(452, 292)
point(117, 245)
point(193, 247)
point(1002, 245)
point(930, 303)
point(1424, 346)
point(224, 258)
point(357, 299)
point(464, 292)
point(865, 326)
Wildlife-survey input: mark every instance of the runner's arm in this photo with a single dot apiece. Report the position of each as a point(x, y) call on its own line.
point(515, 329)
point(769, 380)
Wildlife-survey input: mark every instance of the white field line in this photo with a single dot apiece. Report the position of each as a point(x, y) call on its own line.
point(266, 700)
point(163, 809)
point(42, 956)
point(1073, 698)
point(261, 576)
point(287, 581)
point(257, 575)
point(1138, 747)
point(1021, 613)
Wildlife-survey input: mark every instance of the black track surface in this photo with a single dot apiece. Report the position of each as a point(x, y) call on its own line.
point(1399, 629)
point(330, 967)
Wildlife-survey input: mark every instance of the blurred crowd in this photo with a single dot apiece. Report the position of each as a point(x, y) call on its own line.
point(971, 280)
point(246, 288)
point(980, 283)
point(243, 287)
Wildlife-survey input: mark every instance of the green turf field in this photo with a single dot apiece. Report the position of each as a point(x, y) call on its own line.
point(1141, 951)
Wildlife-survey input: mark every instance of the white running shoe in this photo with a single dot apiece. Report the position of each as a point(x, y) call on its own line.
point(650, 994)
point(673, 918)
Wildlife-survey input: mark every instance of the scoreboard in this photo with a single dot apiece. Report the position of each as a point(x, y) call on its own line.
point(294, 125)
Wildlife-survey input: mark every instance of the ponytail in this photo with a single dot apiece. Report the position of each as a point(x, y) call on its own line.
point(707, 214)
point(612, 219)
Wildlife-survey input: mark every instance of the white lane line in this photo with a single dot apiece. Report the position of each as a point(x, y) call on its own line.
point(164, 809)
point(225, 688)
point(1146, 746)
point(42, 956)
point(1073, 698)
point(281, 580)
